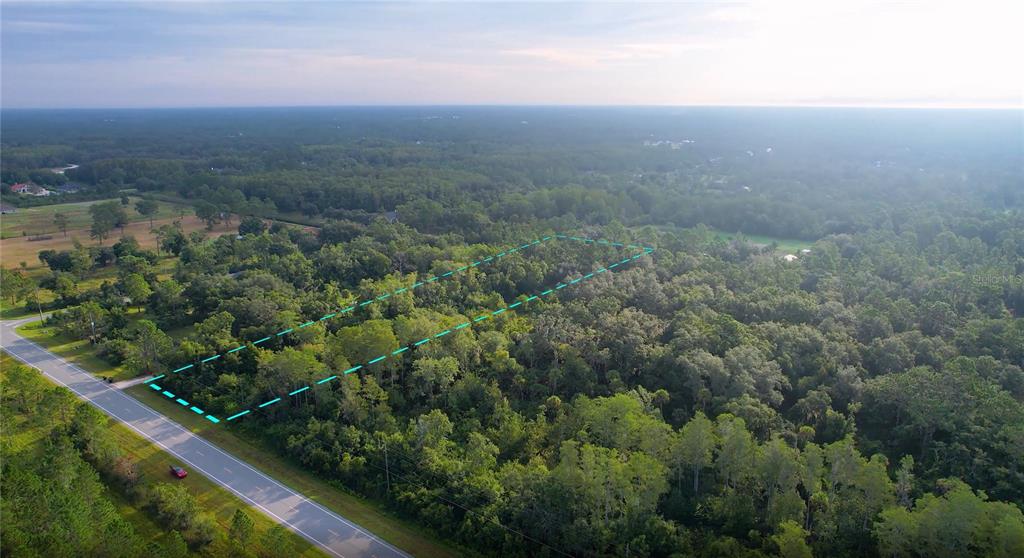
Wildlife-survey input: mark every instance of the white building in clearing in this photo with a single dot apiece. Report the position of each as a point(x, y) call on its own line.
point(790, 257)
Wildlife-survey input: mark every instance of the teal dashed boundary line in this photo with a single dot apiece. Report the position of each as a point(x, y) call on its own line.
point(367, 302)
point(461, 326)
point(215, 420)
point(179, 400)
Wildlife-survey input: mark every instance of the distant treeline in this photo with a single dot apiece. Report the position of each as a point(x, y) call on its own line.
point(785, 173)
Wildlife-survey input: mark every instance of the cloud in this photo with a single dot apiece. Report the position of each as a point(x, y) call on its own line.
point(595, 57)
point(568, 56)
point(777, 52)
point(252, 76)
point(41, 26)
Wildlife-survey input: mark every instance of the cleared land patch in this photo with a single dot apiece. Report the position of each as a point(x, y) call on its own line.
point(13, 251)
point(39, 220)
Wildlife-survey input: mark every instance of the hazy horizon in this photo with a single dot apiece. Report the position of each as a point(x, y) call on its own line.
point(1008, 108)
point(711, 54)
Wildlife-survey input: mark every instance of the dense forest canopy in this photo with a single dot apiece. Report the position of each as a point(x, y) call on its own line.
point(786, 172)
point(712, 399)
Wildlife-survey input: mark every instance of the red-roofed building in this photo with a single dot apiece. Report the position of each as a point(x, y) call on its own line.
point(30, 189)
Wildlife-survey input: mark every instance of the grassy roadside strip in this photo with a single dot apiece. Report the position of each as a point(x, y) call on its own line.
point(153, 466)
point(367, 514)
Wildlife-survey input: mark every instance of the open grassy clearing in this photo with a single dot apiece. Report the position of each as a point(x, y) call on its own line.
point(286, 217)
point(788, 245)
point(367, 514)
point(783, 245)
point(13, 251)
point(22, 434)
point(39, 220)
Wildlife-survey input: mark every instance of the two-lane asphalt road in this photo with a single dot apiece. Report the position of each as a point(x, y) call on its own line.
point(324, 528)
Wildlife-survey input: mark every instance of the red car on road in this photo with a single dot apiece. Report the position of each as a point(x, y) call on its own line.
point(178, 472)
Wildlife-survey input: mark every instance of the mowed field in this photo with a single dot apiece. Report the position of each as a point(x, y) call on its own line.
point(13, 251)
point(39, 220)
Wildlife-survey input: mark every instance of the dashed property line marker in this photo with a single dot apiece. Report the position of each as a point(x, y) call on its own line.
point(271, 402)
point(478, 319)
point(435, 278)
point(242, 414)
point(463, 325)
point(181, 401)
point(364, 303)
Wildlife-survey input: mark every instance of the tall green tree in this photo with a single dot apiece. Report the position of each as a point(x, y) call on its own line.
point(241, 529)
point(251, 225)
point(149, 347)
point(791, 539)
point(61, 221)
point(695, 447)
point(105, 217)
point(275, 542)
point(208, 213)
point(15, 285)
point(137, 289)
point(147, 208)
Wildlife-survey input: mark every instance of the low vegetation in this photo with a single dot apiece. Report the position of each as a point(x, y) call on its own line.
point(75, 483)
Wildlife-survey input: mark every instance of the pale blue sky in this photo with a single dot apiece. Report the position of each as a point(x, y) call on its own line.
point(144, 54)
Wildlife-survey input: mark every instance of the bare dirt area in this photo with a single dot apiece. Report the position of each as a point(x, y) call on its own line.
point(13, 251)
